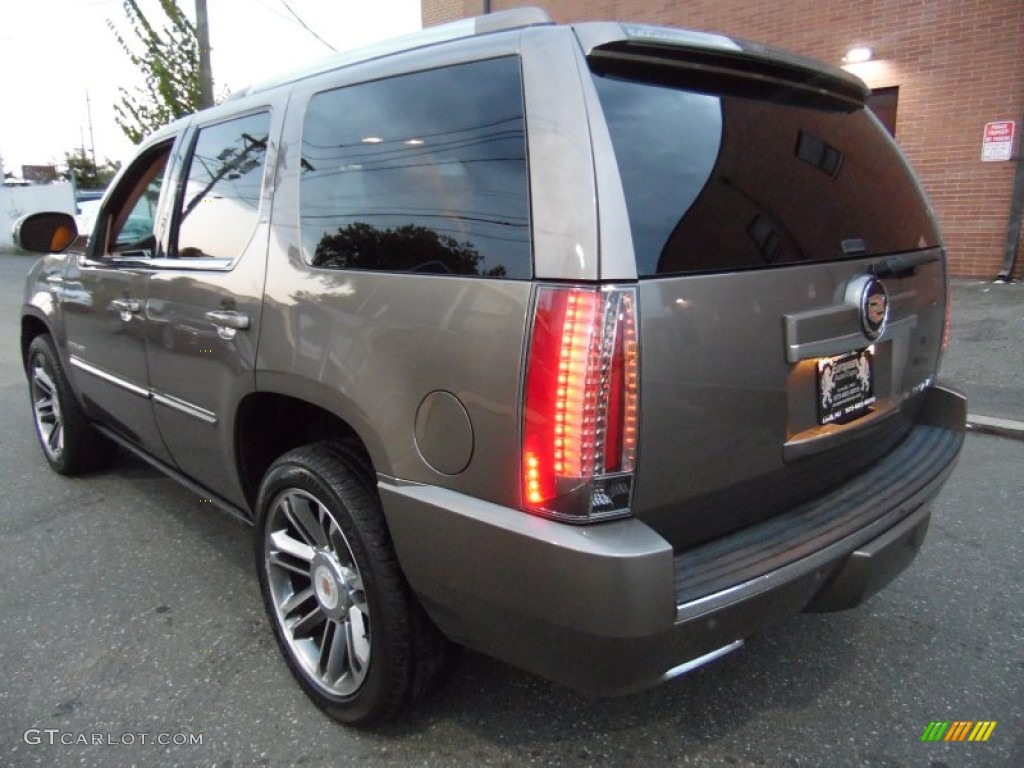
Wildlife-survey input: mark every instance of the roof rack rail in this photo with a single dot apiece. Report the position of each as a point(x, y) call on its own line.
point(516, 18)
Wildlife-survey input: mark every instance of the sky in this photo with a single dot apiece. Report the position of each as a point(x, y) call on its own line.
point(54, 52)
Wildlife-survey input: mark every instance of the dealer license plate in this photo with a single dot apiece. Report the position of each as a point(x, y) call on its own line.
point(846, 386)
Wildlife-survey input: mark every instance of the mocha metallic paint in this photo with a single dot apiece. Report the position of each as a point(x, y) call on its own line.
point(726, 378)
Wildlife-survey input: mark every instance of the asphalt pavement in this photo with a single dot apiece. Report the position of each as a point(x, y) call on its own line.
point(130, 614)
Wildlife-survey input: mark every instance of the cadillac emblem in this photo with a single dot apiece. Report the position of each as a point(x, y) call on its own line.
point(874, 308)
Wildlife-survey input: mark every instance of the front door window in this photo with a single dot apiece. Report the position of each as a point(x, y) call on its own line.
point(131, 213)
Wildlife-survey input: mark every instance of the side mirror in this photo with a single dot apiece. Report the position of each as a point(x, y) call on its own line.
point(48, 232)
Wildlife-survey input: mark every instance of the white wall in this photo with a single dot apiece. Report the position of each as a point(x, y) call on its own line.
point(15, 202)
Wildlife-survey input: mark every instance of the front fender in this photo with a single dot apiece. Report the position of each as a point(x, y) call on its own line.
point(42, 306)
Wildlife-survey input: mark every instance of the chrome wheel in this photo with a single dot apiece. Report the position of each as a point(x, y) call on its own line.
point(317, 593)
point(68, 440)
point(46, 408)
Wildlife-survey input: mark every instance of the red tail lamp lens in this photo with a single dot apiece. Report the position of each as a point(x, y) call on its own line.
point(581, 411)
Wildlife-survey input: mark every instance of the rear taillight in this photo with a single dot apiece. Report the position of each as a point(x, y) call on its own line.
point(581, 412)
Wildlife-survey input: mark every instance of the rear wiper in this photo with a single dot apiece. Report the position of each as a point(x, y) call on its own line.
point(901, 266)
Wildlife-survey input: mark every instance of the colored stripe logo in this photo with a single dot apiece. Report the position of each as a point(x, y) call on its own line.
point(958, 730)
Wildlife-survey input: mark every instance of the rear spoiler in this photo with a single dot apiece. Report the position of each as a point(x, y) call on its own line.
point(625, 48)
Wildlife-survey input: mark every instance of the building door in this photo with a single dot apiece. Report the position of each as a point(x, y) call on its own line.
point(882, 102)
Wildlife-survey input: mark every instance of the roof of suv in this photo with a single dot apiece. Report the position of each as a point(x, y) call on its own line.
point(517, 18)
point(703, 49)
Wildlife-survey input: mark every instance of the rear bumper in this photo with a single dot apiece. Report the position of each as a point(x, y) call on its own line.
point(610, 608)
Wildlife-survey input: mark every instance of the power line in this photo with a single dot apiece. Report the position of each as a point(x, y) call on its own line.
point(271, 9)
point(306, 26)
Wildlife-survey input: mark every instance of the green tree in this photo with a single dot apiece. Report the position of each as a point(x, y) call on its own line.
point(169, 63)
point(408, 248)
point(86, 173)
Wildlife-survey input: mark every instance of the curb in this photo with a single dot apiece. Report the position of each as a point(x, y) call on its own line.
point(992, 426)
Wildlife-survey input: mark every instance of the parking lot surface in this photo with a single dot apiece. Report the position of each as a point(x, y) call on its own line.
point(130, 613)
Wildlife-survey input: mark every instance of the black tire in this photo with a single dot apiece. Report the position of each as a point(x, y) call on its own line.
point(71, 445)
point(324, 557)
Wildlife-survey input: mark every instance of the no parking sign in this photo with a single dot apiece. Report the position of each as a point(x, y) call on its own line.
point(997, 143)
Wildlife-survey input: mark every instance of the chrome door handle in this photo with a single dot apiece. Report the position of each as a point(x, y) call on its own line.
point(228, 322)
point(238, 321)
point(127, 305)
point(126, 308)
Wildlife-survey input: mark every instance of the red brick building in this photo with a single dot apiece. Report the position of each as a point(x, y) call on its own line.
point(948, 67)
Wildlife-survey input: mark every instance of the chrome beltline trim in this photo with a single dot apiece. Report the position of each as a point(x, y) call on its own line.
point(171, 402)
point(135, 389)
point(187, 408)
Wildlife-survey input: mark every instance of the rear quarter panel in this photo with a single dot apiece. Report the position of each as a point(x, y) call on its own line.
point(371, 346)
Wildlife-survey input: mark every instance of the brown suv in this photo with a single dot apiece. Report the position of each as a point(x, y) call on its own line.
point(595, 348)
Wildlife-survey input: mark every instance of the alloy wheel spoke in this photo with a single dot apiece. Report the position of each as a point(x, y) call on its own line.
point(43, 381)
point(285, 543)
point(359, 602)
point(357, 594)
point(304, 521)
point(334, 659)
point(324, 645)
point(56, 437)
point(45, 411)
point(296, 600)
point(304, 627)
point(340, 546)
point(275, 559)
point(358, 637)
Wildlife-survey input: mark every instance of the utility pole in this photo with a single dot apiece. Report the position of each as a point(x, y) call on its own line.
point(205, 75)
point(92, 138)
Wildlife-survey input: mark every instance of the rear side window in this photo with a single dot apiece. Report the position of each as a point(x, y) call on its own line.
point(221, 199)
point(718, 182)
point(419, 173)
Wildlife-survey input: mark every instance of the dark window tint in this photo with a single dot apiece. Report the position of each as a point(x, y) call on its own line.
point(134, 214)
point(222, 191)
point(419, 173)
point(721, 182)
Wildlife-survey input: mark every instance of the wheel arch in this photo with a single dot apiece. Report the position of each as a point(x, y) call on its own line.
point(268, 424)
point(32, 325)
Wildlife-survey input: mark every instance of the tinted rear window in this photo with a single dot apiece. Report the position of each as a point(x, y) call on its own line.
point(423, 172)
point(723, 182)
point(222, 189)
